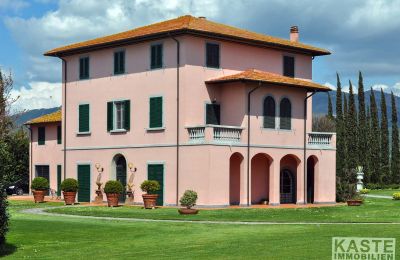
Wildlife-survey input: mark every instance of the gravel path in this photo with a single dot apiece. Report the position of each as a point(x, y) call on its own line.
point(41, 211)
point(378, 196)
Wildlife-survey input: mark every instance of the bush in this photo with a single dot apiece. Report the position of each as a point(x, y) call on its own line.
point(150, 187)
point(113, 187)
point(365, 191)
point(396, 196)
point(40, 183)
point(188, 199)
point(346, 186)
point(69, 185)
point(3, 216)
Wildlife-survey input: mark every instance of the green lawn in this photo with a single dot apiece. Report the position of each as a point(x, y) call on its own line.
point(374, 210)
point(386, 192)
point(48, 237)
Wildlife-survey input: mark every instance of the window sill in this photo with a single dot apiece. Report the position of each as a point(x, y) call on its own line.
point(155, 129)
point(116, 131)
point(83, 133)
point(213, 68)
point(158, 68)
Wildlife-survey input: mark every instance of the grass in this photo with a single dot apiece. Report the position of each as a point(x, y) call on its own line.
point(374, 210)
point(49, 237)
point(386, 192)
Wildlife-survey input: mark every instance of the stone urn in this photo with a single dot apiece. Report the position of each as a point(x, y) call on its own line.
point(130, 199)
point(99, 197)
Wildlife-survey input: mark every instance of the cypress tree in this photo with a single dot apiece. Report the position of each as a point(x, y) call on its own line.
point(367, 155)
point(340, 144)
point(351, 131)
point(374, 142)
point(344, 132)
point(330, 110)
point(395, 153)
point(385, 167)
point(362, 124)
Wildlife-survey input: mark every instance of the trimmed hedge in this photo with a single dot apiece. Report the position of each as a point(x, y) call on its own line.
point(150, 186)
point(113, 187)
point(69, 185)
point(188, 199)
point(40, 183)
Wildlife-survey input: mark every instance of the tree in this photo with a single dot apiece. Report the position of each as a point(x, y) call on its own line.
point(6, 85)
point(323, 124)
point(340, 144)
point(367, 167)
point(351, 131)
point(362, 125)
point(384, 152)
point(374, 146)
point(395, 153)
point(330, 110)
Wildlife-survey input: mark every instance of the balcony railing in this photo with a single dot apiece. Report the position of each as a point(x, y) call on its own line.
point(321, 139)
point(215, 133)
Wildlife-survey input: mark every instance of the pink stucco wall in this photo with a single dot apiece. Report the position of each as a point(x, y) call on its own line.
point(203, 167)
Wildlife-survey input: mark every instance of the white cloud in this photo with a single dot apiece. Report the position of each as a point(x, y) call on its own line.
point(37, 95)
point(12, 5)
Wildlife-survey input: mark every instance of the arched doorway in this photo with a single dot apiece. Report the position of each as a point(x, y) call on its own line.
point(260, 171)
point(288, 179)
point(311, 165)
point(120, 173)
point(235, 169)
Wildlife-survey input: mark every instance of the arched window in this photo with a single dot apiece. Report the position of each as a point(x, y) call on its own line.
point(285, 114)
point(269, 113)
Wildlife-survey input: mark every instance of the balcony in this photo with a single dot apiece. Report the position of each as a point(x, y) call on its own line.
point(214, 133)
point(321, 139)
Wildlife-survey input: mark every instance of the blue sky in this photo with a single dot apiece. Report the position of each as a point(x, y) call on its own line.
point(362, 35)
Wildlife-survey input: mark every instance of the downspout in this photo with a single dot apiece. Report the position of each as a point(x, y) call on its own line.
point(248, 140)
point(305, 145)
point(177, 116)
point(30, 155)
point(65, 116)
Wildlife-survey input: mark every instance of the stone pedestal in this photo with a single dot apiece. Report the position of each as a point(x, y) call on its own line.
point(130, 199)
point(99, 197)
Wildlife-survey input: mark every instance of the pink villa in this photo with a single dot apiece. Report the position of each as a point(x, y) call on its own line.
point(193, 104)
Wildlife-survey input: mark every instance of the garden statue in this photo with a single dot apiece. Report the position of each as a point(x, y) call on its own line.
point(360, 177)
point(130, 185)
point(99, 194)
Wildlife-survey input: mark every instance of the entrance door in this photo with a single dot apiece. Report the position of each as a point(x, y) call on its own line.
point(43, 171)
point(84, 183)
point(58, 180)
point(121, 175)
point(288, 187)
point(156, 172)
point(310, 180)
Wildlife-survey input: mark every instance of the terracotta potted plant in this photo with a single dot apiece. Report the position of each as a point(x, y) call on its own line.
point(69, 187)
point(188, 200)
point(150, 199)
point(113, 189)
point(355, 201)
point(40, 187)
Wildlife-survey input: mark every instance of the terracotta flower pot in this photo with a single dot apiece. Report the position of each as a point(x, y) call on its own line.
point(69, 197)
point(354, 202)
point(38, 195)
point(186, 211)
point(112, 199)
point(150, 200)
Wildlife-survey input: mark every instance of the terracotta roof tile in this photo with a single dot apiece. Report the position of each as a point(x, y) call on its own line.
point(268, 77)
point(48, 118)
point(189, 24)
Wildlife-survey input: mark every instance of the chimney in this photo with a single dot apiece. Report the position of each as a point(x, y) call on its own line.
point(294, 33)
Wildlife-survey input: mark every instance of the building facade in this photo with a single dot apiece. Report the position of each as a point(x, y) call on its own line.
point(194, 105)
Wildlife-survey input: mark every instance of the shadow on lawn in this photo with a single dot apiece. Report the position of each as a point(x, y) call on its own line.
point(7, 249)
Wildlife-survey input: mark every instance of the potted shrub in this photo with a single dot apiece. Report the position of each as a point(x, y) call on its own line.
point(150, 199)
point(113, 189)
point(188, 200)
point(396, 196)
point(40, 187)
point(356, 200)
point(69, 187)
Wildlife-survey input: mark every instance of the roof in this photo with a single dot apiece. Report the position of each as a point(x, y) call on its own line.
point(253, 75)
point(48, 118)
point(186, 25)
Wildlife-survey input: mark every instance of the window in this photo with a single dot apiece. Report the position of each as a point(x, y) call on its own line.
point(119, 62)
point(156, 112)
point(83, 119)
point(269, 113)
point(288, 66)
point(59, 134)
point(212, 55)
point(285, 114)
point(118, 115)
point(213, 114)
point(84, 68)
point(41, 135)
point(156, 60)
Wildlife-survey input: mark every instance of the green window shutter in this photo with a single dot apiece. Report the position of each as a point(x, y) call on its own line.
point(119, 62)
point(84, 183)
point(156, 56)
point(41, 135)
point(59, 135)
point(84, 68)
point(285, 113)
point(127, 115)
point(156, 172)
point(84, 118)
point(269, 113)
point(58, 180)
point(212, 55)
point(288, 66)
point(110, 115)
point(156, 112)
point(213, 114)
